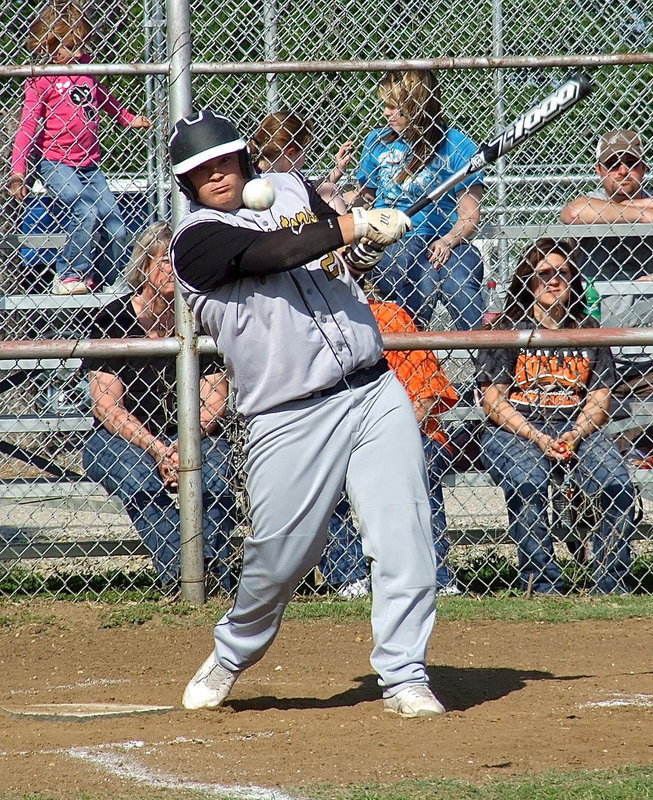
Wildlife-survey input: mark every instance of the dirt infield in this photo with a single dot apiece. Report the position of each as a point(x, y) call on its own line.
point(522, 698)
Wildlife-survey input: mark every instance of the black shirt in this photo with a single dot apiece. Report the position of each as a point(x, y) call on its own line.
point(149, 382)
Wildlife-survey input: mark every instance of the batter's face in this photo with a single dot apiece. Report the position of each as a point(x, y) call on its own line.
point(622, 177)
point(396, 120)
point(219, 182)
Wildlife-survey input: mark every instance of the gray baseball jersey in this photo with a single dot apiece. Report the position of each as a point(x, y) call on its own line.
point(256, 320)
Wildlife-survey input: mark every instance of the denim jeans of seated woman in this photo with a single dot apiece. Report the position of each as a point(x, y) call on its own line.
point(130, 473)
point(523, 472)
point(406, 276)
point(343, 560)
point(86, 204)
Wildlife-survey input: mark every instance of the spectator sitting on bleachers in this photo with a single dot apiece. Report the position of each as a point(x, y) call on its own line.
point(132, 451)
point(546, 408)
point(414, 151)
point(60, 122)
point(621, 199)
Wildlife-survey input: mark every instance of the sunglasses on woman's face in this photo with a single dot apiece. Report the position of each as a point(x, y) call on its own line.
point(628, 161)
point(549, 275)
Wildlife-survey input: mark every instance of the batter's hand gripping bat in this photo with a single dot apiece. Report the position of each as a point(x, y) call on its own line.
point(552, 107)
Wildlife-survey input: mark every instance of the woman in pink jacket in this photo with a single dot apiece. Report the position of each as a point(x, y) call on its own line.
point(60, 120)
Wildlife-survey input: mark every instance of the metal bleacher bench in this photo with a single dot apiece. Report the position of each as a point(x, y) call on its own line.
point(68, 490)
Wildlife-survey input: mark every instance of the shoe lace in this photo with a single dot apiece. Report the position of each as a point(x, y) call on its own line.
point(420, 692)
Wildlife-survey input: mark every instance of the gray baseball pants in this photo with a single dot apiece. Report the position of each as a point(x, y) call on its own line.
point(299, 457)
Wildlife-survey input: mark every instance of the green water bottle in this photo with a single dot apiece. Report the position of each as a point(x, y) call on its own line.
point(592, 300)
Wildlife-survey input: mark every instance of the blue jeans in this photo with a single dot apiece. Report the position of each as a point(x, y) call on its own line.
point(524, 473)
point(343, 560)
point(130, 473)
point(406, 276)
point(86, 203)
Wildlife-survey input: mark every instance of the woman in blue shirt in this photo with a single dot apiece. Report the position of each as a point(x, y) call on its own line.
point(415, 152)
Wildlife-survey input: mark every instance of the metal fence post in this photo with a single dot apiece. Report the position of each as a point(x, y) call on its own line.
point(190, 471)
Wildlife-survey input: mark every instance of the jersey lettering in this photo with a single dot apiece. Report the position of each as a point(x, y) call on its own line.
point(549, 380)
point(301, 218)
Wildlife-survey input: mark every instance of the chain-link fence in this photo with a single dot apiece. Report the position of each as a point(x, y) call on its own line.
point(87, 449)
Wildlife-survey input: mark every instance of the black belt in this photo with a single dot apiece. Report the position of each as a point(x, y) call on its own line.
point(361, 377)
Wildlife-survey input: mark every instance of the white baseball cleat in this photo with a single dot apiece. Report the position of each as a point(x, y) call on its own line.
point(210, 685)
point(414, 701)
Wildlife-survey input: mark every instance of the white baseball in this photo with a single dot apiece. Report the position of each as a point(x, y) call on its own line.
point(258, 194)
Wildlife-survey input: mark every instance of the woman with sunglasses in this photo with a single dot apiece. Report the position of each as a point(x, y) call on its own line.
point(546, 408)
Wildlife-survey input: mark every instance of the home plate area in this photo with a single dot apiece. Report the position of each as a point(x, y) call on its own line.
point(82, 711)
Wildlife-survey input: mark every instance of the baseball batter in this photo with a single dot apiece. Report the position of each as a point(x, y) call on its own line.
point(303, 353)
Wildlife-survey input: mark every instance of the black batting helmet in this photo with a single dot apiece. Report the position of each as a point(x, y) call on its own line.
point(200, 137)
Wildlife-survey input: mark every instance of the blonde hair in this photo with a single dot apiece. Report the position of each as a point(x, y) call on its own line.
point(148, 242)
point(278, 131)
point(56, 23)
point(416, 94)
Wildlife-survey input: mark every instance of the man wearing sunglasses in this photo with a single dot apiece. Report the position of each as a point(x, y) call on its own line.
point(622, 198)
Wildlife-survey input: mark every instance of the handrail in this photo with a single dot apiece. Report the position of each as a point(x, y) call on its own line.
point(559, 231)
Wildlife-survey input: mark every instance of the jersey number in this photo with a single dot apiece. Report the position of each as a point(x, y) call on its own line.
point(330, 266)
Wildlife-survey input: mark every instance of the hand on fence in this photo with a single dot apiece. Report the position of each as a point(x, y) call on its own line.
point(17, 187)
point(343, 157)
point(140, 121)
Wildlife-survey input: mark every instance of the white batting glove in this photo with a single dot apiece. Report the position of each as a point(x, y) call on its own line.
point(383, 226)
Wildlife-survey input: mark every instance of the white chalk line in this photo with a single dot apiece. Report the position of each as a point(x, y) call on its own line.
point(620, 700)
point(89, 683)
point(115, 758)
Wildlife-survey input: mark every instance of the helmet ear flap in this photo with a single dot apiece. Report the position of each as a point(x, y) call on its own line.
point(246, 164)
point(186, 187)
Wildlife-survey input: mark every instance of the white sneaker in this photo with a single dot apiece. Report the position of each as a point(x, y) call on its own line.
point(354, 590)
point(210, 685)
point(414, 701)
point(69, 286)
point(452, 589)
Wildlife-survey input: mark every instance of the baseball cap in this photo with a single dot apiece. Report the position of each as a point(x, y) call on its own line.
point(617, 143)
